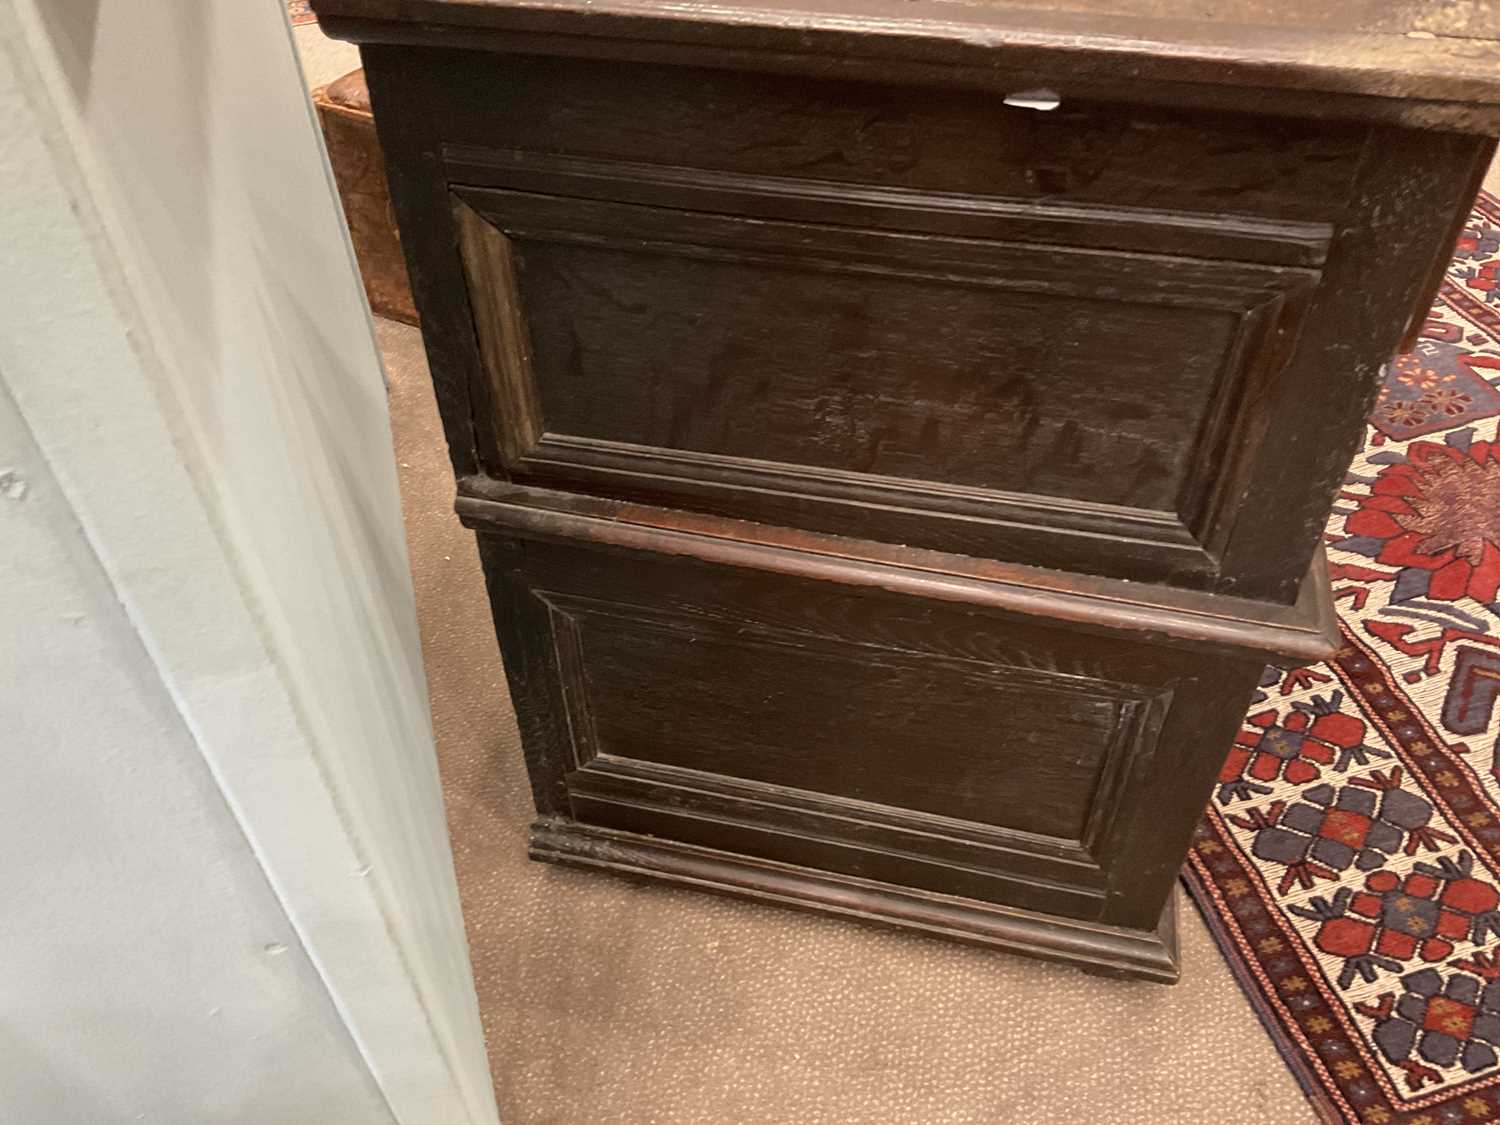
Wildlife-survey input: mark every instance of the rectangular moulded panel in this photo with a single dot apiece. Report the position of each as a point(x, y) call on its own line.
point(1083, 408)
point(1018, 761)
point(954, 738)
point(881, 371)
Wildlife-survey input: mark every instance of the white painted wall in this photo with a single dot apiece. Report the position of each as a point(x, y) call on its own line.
point(148, 972)
point(228, 893)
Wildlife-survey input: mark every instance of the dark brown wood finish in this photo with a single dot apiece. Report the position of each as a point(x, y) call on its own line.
point(493, 115)
point(889, 491)
point(809, 715)
point(1302, 632)
point(852, 380)
point(949, 746)
point(956, 241)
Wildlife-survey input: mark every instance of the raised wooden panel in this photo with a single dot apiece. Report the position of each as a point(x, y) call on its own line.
point(754, 705)
point(959, 393)
point(880, 371)
point(1011, 760)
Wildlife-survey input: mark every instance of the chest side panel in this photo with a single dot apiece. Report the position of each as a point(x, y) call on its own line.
point(897, 739)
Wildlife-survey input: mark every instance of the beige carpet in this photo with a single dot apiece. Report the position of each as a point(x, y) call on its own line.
point(610, 1001)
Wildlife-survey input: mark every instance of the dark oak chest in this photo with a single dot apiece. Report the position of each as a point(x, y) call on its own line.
point(899, 434)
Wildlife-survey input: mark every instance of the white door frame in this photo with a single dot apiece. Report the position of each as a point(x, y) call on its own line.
point(206, 391)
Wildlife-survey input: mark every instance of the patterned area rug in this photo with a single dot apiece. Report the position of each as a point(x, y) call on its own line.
point(1349, 864)
point(301, 12)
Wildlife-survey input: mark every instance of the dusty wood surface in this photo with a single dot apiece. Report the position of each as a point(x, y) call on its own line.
point(1478, 19)
point(1442, 52)
point(1469, 19)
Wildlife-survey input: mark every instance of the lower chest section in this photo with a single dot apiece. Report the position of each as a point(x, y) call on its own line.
point(1018, 762)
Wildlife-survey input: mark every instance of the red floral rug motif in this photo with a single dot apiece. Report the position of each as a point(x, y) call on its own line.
point(1349, 863)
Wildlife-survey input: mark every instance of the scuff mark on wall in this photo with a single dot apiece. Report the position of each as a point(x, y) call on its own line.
point(13, 485)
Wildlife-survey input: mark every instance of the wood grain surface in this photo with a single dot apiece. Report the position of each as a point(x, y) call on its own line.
point(1432, 62)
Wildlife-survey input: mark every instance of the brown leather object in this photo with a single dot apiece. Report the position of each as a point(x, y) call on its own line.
point(359, 170)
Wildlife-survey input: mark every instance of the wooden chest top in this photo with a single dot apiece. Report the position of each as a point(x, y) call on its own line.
point(1433, 62)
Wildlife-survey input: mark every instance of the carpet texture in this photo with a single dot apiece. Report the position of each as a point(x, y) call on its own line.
point(1350, 860)
point(606, 1001)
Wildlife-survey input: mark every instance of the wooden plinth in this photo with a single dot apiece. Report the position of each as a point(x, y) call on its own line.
point(1105, 950)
